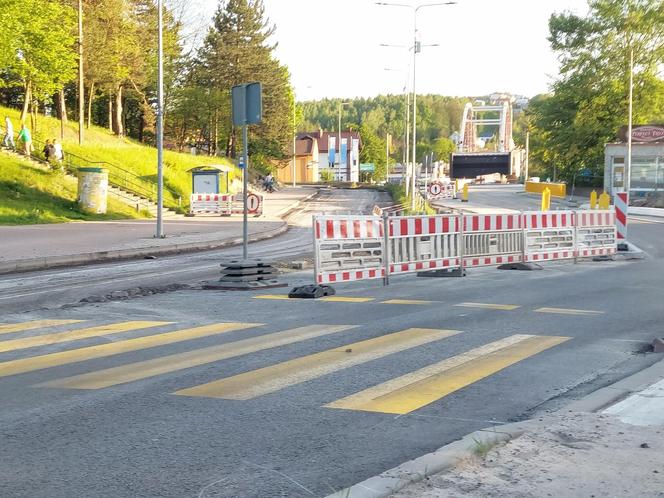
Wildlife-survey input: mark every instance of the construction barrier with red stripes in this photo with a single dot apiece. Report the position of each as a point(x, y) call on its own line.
point(349, 248)
point(225, 204)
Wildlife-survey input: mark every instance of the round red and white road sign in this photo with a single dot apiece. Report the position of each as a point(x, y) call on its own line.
point(253, 203)
point(435, 188)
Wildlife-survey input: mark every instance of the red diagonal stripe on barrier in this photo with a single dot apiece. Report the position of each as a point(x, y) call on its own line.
point(357, 229)
point(329, 229)
point(476, 223)
point(418, 226)
point(432, 225)
point(621, 217)
point(446, 225)
point(403, 227)
point(343, 229)
point(370, 229)
point(317, 230)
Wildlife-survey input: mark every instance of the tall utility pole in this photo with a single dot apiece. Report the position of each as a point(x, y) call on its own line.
point(160, 121)
point(388, 137)
point(525, 173)
point(416, 50)
point(81, 87)
point(294, 140)
point(628, 173)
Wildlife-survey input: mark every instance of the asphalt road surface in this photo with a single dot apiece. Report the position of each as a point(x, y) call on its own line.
point(226, 394)
point(54, 288)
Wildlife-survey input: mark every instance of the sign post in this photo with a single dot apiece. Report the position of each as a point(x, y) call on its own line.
point(247, 103)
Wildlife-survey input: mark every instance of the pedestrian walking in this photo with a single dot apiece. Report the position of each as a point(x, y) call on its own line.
point(25, 137)
point(59, 152)
point(8, 140)
point(49, 152)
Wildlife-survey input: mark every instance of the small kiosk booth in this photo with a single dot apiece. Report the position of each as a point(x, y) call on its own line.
point(207, 196)
point(207, 183)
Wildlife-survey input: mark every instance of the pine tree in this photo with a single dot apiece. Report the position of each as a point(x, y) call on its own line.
point(237, 50)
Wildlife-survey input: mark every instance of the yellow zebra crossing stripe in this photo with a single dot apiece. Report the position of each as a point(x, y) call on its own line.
point(506, 307)
point(417, 389)
point(31, 364)
point(276, 297)
point(406, 301)
point(345, 299)
point(568, 311)
point(73, 335)
point(172, 363)
point(273, 378)
point(8, 328)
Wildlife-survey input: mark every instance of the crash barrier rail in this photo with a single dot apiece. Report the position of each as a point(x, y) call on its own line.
point(225, 204)
point(349, 248)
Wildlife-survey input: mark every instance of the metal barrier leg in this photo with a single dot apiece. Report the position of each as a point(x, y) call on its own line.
point(316, 290)
point(386, 249)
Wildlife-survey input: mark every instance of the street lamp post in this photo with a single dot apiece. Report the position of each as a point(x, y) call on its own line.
point(294, 141)
point(416, 49)
point(406, 149)
point(160, 122)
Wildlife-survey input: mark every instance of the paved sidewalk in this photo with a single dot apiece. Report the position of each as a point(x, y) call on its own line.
point(617, 451)
point(41, 246)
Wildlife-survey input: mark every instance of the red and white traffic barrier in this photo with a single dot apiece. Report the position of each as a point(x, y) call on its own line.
point(348, 227)
point(350, 248)
point(409, 226)
point(548, 219)
point(491, 222)
point(621, 203)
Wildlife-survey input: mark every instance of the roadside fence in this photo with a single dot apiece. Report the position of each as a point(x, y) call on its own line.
point(225, 204)
point(351, 248)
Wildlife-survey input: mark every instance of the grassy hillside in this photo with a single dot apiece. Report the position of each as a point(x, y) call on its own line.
point(101, 145)
point(31, 195)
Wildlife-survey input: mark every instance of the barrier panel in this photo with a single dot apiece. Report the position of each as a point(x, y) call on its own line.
point(225, 204)
point(492, 239)
point(549, 235)
point(556, 189)
point(210, 203)
point(418, 243)
point(348, 248)
point(596, 233)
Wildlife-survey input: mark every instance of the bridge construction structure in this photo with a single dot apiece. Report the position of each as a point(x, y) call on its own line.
point(471, 159)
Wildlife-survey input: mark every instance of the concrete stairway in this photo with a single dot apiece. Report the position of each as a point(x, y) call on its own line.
point(130, 199)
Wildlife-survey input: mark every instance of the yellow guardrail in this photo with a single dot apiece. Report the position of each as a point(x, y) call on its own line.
point(557, 189)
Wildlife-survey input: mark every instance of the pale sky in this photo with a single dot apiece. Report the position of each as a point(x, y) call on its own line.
point(332, 48)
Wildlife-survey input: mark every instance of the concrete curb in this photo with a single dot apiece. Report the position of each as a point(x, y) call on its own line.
point(393, 480)
point(413, 471)
point(33, 264)
point(609, 395)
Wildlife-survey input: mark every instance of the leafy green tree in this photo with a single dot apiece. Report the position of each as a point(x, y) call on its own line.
point(37, 38)
point(373, 150)
point(590, 99)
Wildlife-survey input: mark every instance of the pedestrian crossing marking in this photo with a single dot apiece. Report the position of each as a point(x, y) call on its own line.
point(273, 378)
point(8, 328)
point(172, 363)
point(568, 311)
point(31, 364)
point(345, 299)
point(414, 390)
point(76, 334)
point(406, 301)
point(334, 299)
point(506, 307)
